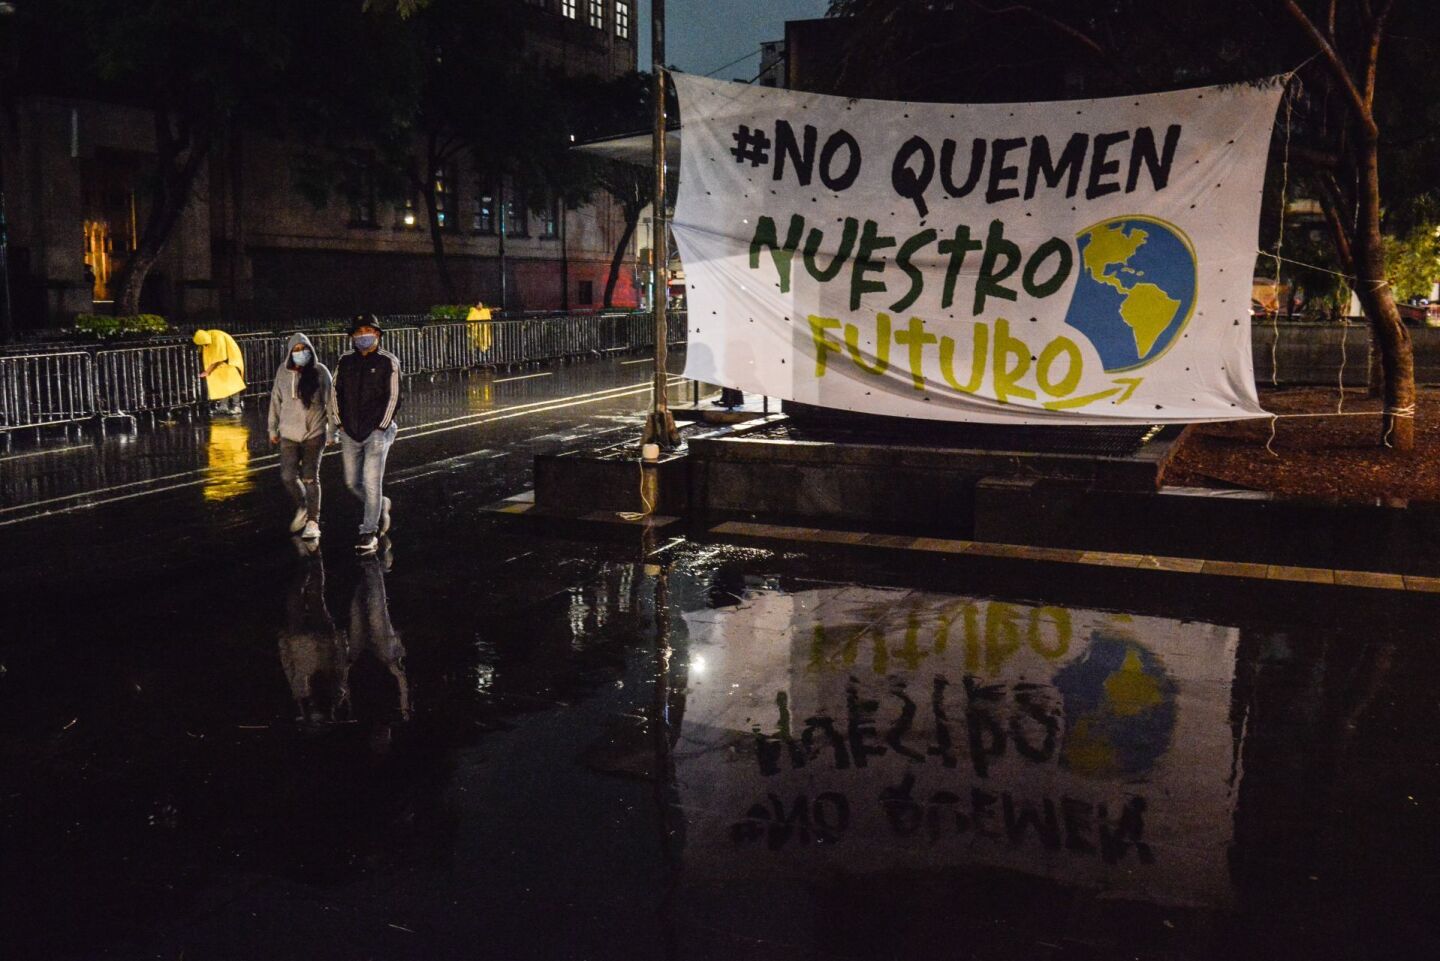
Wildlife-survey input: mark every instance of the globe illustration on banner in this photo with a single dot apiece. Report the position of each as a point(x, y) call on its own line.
point(1119, 706)
point(1135, 290)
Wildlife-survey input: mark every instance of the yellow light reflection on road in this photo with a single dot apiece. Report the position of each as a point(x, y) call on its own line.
point(229, 459)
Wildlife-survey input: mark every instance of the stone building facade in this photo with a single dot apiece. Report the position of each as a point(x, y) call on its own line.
point(250, 250)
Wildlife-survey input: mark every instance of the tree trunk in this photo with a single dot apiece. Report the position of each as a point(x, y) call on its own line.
point(1397, 359)
point(172, 192)
point(437, 242)
point(631, 220)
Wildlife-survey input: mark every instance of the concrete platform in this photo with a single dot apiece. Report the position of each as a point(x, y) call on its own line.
point(602, 525)
point(612, 479)
point(920, 481)
point(706, 412)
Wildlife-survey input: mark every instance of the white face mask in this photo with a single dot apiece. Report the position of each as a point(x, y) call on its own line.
point(301, 357)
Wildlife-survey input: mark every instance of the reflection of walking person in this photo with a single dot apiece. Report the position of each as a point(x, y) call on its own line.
point(313, 651)
point(222, 365)
point(299, 415)
point(371, 630)
point(363, 403)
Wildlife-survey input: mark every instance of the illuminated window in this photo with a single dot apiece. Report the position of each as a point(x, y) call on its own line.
point(597, 14)
point(622, 19)
point(570, 8)
point(443, 202)
point(408, 216)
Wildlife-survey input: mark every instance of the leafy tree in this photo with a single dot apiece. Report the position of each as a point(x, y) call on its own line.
point(618, 108)
point(1414, 261)
point(633, 187)
point(449, 83)
point(203, 70)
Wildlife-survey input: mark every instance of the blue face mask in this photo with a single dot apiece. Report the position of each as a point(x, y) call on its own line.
point(301, 357)
point(364, 341)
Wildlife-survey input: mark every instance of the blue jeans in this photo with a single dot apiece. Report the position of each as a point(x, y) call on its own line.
point(365, 470)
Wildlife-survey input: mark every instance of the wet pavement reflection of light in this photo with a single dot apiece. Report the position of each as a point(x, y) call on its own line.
point(227, 450)
point(484, 744)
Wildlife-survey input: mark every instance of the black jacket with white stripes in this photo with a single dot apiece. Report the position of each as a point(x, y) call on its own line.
point(366, 393)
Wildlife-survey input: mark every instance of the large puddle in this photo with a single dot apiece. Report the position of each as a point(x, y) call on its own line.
point(559, 751)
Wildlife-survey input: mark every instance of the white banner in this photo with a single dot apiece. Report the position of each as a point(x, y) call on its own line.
point(1081, 262)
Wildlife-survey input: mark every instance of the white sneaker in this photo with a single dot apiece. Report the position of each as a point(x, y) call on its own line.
point(296, 523)
point(311, 532)
point(384, 515)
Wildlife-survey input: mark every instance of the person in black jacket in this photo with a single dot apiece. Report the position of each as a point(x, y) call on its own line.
point(364, 400)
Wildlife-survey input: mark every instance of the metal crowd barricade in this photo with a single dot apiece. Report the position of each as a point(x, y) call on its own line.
point(132, 380)
point(43, 390)
point(263, 354)
point(329, 347)
point(68, 386)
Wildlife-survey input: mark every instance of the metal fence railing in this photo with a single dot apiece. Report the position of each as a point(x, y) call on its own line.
point(147, 380)
point(66, 385)
point(43, 390)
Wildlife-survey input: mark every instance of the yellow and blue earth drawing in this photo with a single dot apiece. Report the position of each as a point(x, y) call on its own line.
point(1135, 291)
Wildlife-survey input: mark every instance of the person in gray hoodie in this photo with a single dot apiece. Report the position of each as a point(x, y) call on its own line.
point(299, 423)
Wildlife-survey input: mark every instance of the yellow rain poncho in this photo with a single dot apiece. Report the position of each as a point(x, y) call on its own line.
point(479, 321)
point(228, 378)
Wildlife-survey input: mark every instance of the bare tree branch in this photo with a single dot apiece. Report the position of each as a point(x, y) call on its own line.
point(1075, 34)
point(1332, 202)
point(1337, 67)
point(1372, 53)
point(1314, 158)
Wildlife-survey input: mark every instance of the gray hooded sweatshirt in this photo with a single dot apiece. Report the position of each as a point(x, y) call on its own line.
point(290, 419)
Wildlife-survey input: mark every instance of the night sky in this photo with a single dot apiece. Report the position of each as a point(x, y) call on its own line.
point(704, 35)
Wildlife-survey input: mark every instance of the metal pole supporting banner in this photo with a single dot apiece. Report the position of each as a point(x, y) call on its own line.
point(660, 425)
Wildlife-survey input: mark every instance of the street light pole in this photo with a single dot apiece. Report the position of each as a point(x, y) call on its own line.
point(660, 425)
point(504, 281)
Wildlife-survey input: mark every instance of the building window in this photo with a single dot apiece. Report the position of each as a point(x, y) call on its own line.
point(409, 218)
point(482, 210)
point(622, 19)
point(597, 14)
point(517, 217)
point(550, 219)
point(444, 203)
point(360, 188)
point(587, 292)
point(570, 8)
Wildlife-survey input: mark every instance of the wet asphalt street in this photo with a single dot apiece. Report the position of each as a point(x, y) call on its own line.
point(215, 743)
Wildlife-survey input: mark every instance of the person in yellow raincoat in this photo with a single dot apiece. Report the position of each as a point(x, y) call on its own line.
point(222, 365)
point(479, 319)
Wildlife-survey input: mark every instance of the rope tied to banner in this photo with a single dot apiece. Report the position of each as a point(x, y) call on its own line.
point(1407, 411)
point(1280, 239)
point(1352, 280)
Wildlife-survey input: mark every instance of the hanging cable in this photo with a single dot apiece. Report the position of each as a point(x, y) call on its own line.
point(1280, 239)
